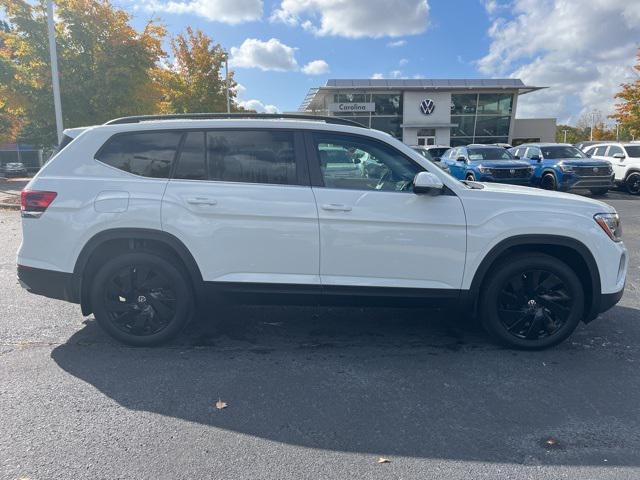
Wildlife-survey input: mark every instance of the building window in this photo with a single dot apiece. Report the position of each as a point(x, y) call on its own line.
point(492, 126)
point(495, 104)
point(465, 126)
point(486, 140)
point(390, 125)
point(464, 103)
point(461, 141)
point(387, 103)
point(351, 97)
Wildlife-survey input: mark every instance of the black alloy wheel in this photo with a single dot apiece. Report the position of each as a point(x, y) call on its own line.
point(549, 182)
point(531, 301)
point(633, 183)
point(141, 299)
point(470, 177)
point(534, 304)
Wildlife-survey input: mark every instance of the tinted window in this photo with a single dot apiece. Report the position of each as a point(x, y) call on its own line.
point(437, 152)
point(599, 150)
point(633, 151)
point(191, 164)
point(563, 152)
point(613, 149)
point(489, 154)
point(532, 151)
point(149, 154)
point(358, 163)
point(251, 156)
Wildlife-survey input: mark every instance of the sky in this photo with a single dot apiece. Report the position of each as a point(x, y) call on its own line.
point(581, 49)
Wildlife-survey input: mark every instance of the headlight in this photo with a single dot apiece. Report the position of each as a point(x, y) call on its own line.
point(610, 223)
point(483, 169)
point(566, 168)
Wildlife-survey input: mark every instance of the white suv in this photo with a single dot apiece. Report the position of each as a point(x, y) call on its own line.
point(625, 160)
point(141, 219)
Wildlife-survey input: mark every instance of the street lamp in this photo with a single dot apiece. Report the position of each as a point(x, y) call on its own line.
point(226, 70)
point(55, 80)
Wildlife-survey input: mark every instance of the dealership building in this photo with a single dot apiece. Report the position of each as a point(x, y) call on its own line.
point(426, 112)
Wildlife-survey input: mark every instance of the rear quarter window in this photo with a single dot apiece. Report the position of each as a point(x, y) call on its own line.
point(148, 154)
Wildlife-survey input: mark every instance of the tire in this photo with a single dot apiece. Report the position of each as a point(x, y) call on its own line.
point(632, 183)
point(470, 177)
point(142, 299)
point(548, 182)
point(508, 314)
point(599, 191)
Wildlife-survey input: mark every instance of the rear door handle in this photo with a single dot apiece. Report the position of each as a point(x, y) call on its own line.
point(201, 201)
point(336, 207)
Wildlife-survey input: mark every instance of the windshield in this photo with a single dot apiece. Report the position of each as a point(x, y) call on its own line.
point(424, 153)
point(484, 153)
point(437, 152)
point(633, 151)
point(562, 152)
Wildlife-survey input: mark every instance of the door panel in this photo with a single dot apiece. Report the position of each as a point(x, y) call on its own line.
point(391, 239)
point(242, 206)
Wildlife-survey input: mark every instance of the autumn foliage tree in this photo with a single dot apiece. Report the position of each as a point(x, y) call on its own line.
point(628, 111)
point(194, 81)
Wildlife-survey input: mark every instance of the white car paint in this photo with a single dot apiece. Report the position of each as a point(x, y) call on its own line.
point(297, 234)
point(621, 166)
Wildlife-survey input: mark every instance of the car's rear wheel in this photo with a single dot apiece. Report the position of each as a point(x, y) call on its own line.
point(632, 183)
point(549, 182)
point(599, 191)
point(141, 299)
point(532, 301)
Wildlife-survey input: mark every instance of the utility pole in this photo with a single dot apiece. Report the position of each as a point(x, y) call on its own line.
point(617, 138)
point(55, 80)
point(226, 68)
point(565, 135)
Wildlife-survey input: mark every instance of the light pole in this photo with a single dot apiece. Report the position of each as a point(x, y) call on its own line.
point(55, 80)
point(565, 135)
point(226, 69)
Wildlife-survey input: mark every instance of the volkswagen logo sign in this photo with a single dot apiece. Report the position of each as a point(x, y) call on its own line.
point(427, 106)
point(512, 171)
point(595, 169)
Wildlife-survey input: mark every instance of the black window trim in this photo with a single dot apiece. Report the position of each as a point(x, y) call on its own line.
point(302, 167)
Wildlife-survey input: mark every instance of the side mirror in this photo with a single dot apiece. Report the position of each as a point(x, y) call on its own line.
point(619, 156)
point(461, 159)
point(537, 158)
point(428, 184)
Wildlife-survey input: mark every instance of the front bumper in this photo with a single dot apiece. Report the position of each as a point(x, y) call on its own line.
point(49, 283)
point(512, 181)
point(575, 182)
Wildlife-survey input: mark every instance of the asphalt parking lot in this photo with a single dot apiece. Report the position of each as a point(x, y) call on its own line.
point(315, 393)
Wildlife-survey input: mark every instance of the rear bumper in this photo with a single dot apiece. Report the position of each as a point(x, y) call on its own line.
point(49, 283)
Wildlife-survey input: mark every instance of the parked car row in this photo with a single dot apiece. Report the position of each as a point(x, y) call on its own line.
point(545, 165)
point(13, 169)
point(624, 159)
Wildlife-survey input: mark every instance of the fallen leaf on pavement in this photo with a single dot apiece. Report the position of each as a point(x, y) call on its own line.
point(384, 460)
point(220, 404)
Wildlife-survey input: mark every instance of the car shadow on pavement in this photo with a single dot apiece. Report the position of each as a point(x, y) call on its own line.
point(380, 381)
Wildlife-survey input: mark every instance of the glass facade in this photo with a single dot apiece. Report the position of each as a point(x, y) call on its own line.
point(387, 116)
point(480, 117)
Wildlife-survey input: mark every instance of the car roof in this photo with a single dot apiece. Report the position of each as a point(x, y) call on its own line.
point(544, 144)
point(427, 147)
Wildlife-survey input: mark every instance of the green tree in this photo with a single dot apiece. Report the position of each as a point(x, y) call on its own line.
point(106, 66)
point(628, 111)
point(194, 82)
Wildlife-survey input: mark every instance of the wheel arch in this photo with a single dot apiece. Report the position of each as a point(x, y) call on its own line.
point(130, 239)
point(569, 250)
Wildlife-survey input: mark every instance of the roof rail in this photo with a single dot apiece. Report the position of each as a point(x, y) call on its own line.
point(233, 116)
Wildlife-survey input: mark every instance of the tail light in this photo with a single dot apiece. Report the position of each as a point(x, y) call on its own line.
point(33, 203)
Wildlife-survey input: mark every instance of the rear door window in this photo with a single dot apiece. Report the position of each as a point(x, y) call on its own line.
point(252, 156)
point(148, 154)
point(613, 149)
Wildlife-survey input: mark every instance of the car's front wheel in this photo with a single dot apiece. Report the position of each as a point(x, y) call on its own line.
point(632, 183)
point(141, 299)
point(549, 182)
point(470, 177)
point(532, 301)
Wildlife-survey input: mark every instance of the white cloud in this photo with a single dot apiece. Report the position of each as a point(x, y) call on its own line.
point(582, 53)
point(377, 76)
point(316, 67)
point(269, 55)
point(240, 90)
point(395, 73)
point(355, 18)
point(397, 43)
point(392, 74)
point(258, 106)
point(403, 62)
point(224, 11)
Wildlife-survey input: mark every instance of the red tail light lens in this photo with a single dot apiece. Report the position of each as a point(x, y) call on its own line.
point(33, 203)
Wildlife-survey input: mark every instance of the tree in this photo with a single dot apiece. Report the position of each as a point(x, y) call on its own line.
point(194, 81)
point(106, 66)
point(574, 134)
point(628, 111)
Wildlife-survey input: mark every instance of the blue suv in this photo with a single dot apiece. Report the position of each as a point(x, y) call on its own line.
point(487, 163)
point(564, 167)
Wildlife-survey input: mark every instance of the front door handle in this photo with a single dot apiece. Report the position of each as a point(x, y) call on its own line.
point(201, 201)
point(336, 207)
